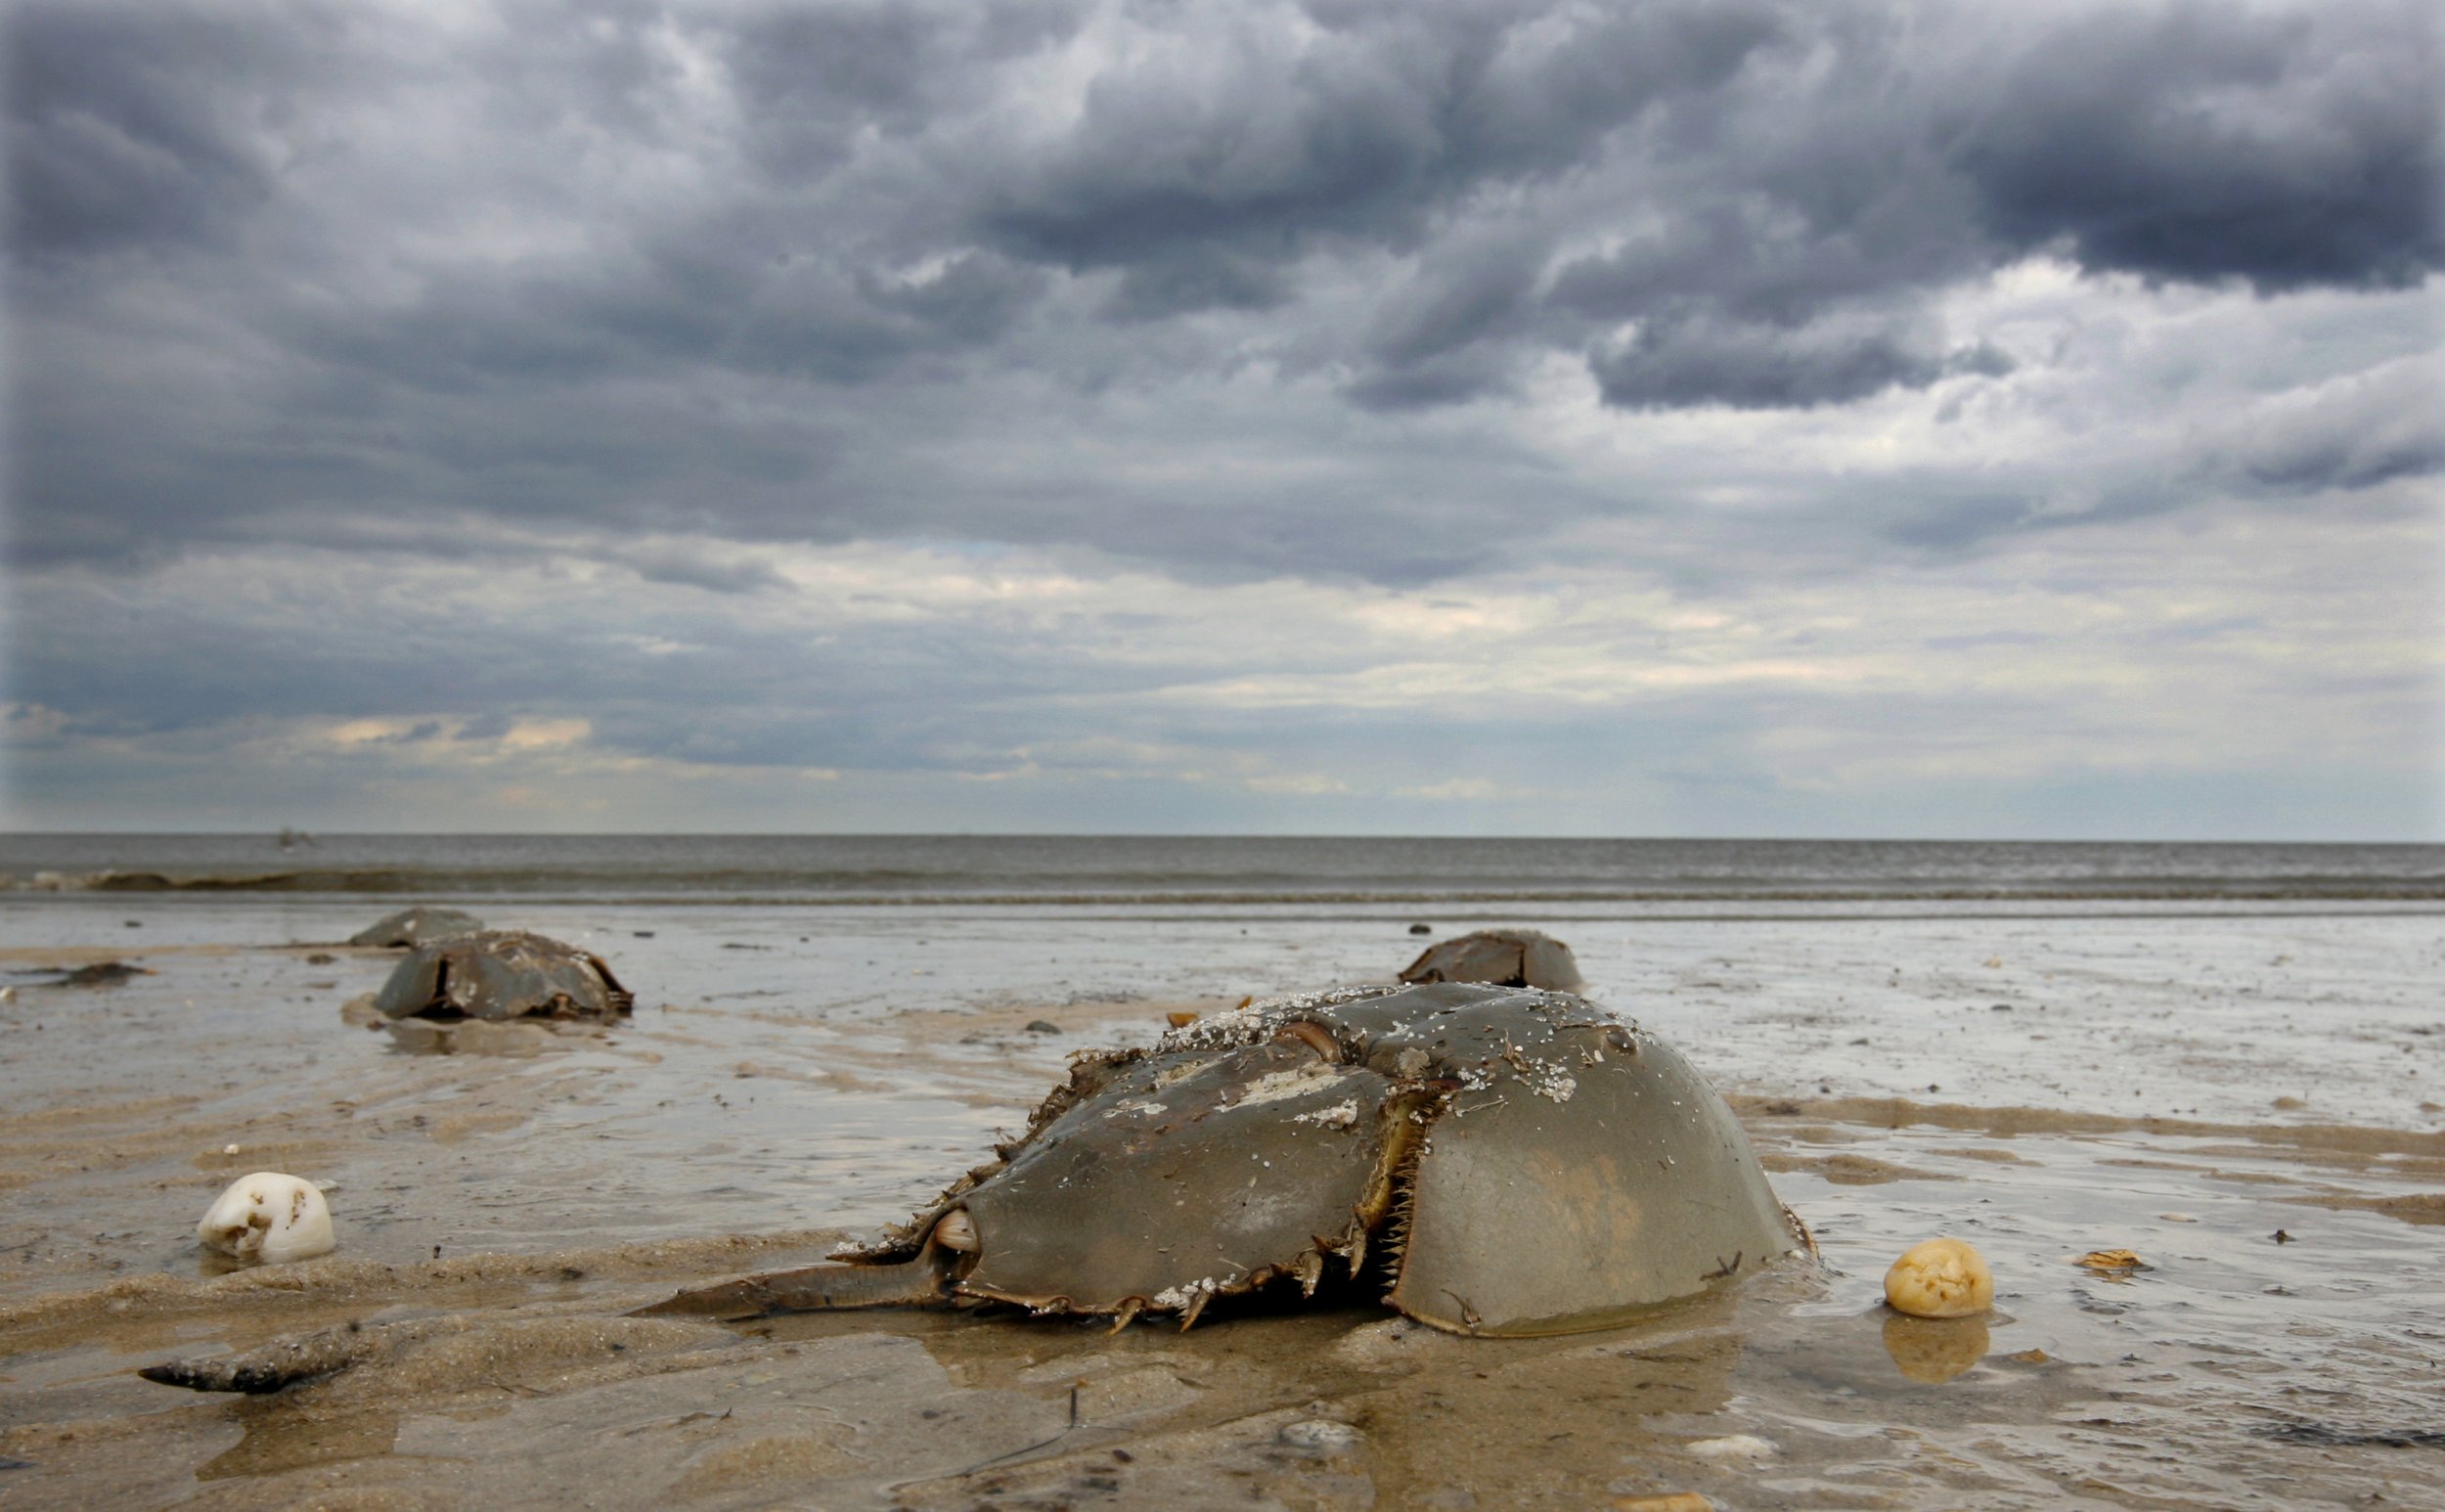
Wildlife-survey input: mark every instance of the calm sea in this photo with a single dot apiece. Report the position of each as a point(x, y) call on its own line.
point(1056, 869)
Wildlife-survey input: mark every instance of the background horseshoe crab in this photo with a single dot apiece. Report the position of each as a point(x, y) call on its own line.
point(502, 974)
point(1520, 1162)
point(410, 927)
point(1507, 958)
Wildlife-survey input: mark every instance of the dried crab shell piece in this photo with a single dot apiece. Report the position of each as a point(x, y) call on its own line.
point(2113, 1263)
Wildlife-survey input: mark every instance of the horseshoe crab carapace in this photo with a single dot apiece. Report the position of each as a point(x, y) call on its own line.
point(1510, 1161)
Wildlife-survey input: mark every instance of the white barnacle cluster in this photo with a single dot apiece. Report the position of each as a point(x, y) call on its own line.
point(1276, 1086)
point(1187, 1295)
point(1243, 1025)
point(1257, 1020)
point(1340, 1115)
point(1549, 1080)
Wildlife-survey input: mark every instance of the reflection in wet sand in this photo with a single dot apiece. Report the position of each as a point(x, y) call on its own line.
point(280, 1440)
point(1934, 1350)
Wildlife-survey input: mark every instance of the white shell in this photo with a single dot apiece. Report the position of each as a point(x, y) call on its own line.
point(269, 1217)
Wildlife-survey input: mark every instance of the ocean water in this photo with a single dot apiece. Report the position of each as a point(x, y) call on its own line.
point(1058, 869)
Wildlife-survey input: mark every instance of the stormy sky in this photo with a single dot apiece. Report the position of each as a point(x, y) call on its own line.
point(1823, 418)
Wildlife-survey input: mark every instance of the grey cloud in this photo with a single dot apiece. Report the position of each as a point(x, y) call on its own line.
point(1985, 637)
point(2387, 425)
point(1397, 112)
point(1983, 358)
point(1776, 256)
point(696, 569)
point(854, 330)
point(811, 78)
point(1952, 524)
point(1473, 286)
point(2193, 141)
point(144, 127)
point(2310, 464)
point(418, 733)
point(1675, 364)
point(1432, 383)
point(1209, 278)
point(2181, 142)
point(859, 277)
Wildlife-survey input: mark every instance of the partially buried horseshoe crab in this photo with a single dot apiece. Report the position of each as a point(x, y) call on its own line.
point(1507, 958)
point(414, 926)
point(502, 974)
point(1517, 1162)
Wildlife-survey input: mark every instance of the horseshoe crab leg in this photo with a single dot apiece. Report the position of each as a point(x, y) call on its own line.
point(820, 1288)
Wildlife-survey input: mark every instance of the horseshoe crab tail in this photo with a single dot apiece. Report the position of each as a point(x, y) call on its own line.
point(273, 1366)
point(916, 1282)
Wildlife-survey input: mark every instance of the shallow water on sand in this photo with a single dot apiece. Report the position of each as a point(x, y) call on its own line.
point(2182, 1083)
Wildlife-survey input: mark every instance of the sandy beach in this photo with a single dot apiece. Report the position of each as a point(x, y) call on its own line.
point(2250, 1096)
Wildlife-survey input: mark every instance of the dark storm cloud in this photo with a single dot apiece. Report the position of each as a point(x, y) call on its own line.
point(811, 78)
point(1265, 142)
point(821, 272)
point(1676, 362)
point(675, 564)
point(141, 129)
point(2203, 142)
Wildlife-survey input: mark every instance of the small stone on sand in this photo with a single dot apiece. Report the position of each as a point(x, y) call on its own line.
point(1939, 1278)
point(268, 1216)
point(1737, 1446)
point(1320, 1436)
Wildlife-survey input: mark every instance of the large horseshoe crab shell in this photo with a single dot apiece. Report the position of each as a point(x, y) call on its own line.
point(1517, 1161)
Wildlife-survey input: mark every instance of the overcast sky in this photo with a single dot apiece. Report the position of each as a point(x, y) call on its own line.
point(1711, 417)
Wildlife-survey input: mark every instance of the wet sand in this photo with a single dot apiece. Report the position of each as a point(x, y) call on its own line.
point(2181, 1087)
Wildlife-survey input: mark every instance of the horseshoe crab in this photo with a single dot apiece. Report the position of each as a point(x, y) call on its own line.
point(1513, 1162)
point(1508, 957)
point(414, 926)
point(502, 974)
